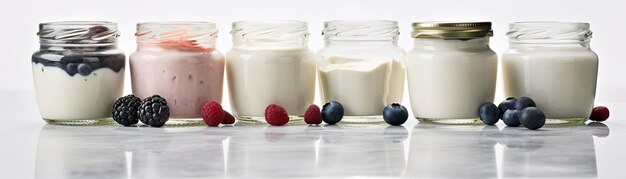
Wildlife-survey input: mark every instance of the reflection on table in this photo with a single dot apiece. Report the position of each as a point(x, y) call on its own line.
point(422, 150)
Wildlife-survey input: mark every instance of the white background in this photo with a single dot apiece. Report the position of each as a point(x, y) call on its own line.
point(20, 22)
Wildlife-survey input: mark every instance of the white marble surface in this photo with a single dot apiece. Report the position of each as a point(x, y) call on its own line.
point(32, 149)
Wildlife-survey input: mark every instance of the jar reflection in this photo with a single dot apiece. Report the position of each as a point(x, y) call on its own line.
point(270, 151)
point(78, 152)
point(452, 151)
point(362, 151)
point(179, 152)
point(129, 152)
point(551, 152)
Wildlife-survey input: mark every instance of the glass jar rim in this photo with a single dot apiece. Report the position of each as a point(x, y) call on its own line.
point(549, 32)
point(269, 33)
point(78, 33)
point(358, 22)
point(179, 35)
point(360, 30)
point(269, 23)
point(548, 24)
point(76, 23)
point(174, 23)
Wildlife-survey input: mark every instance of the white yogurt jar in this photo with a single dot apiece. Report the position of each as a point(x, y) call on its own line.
point(78, 72)
point(361, 66)
point(552, 63)
point(451, 71)
point(270, 63)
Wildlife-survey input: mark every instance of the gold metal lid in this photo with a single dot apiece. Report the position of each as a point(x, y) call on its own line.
point(451, 30)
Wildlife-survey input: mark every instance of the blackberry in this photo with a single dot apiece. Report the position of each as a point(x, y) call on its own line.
point(125, 110)
point(154, 111)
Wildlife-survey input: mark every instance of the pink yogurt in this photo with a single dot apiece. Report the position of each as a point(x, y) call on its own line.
point(186, 79)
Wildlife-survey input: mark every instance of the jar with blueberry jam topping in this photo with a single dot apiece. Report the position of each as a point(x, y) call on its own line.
point(78, 72)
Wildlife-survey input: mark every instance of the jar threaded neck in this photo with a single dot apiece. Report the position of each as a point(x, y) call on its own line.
point(549, 32)
point(270, 34)
point(78, 33)
point(368, 30)
point(184, 36)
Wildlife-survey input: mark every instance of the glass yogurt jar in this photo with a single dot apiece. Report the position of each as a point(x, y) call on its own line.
point(361, 66)
point(552, 63)
point(451, 71)
point(78, 72)
point(178, 61)
point(270, 63)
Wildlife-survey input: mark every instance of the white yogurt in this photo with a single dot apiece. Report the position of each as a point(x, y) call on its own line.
point(552, 63)
point(450, 79)
point(260, 77)
point(562, 81)
point(64, 97)
point(362, 86)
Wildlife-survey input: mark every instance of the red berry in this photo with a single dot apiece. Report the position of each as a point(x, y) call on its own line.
point(599, 113)
point(276, 115)
point(212, 113)
point(228, 118)
point(313, 115)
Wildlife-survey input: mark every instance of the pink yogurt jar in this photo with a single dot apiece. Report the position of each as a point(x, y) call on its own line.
point(178, 61)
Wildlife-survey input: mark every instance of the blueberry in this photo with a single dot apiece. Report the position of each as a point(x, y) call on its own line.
point(507, 104)
point(84, 69)
point(71, 68)
point(524, 102)
point(511, 117)
point(332, 112)
point(532, 118)
point(395, 114)
point(489, 113)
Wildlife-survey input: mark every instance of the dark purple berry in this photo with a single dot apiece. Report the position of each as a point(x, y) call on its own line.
point(395, 114)
point(332, 112)
point(489, 113)
point(84, 69)
point(507, 104)
point(524, 102)
point(511, 117)
point(532, 118)
point(71, 68)
point(154, 111)
point(125, 109)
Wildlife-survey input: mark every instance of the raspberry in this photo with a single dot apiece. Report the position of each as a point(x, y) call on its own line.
point(313, 115)
point(599, 113)
point(276, 115)
point(228, 118)
point(212, 113)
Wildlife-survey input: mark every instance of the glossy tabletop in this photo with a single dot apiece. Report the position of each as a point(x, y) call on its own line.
point(33, 149)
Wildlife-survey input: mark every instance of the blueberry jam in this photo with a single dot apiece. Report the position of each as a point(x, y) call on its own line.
point(83, 64)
